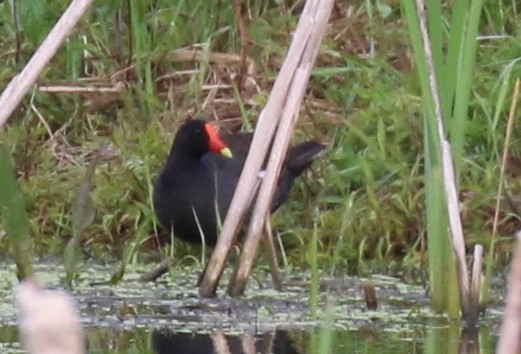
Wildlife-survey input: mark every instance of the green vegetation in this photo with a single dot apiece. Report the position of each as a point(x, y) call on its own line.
point(446, 102)
point(16, 221)
point(365, 200)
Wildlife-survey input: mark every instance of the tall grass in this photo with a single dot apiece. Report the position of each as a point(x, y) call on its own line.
point(453, 74)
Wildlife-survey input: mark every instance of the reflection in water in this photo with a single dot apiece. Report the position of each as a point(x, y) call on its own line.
point(455, 339)
point(277, 342)
point(432, 337)
point(469, 341)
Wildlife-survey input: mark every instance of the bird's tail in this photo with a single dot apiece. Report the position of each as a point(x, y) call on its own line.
point(302, 155)
point(298, 159)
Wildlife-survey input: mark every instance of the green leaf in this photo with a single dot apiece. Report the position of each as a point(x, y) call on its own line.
point(14, 216)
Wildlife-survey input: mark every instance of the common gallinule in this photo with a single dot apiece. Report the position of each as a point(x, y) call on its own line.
point(201, 174)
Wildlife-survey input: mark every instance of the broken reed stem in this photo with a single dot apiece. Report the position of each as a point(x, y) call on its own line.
point(262, 138)
point(21, 83)
point(477, 273)
point(219, 342)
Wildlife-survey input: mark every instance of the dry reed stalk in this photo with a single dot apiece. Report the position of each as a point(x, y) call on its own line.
point(286, 126)
point(265, 130)
point(21, 83)
point(49, 322)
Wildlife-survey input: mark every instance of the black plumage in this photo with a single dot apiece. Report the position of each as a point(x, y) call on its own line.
point(198, 180)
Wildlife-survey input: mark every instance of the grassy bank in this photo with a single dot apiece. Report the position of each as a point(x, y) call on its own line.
point(366, 195)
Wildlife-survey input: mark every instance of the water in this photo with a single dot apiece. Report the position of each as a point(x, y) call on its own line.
point(169, 317)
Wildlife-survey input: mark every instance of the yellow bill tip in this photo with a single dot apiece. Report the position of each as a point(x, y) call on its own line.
point(226, 152)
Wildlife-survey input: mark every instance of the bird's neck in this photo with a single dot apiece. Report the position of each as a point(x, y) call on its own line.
point(183, 160)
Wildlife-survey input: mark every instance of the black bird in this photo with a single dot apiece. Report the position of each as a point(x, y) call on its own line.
point(201, 174)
